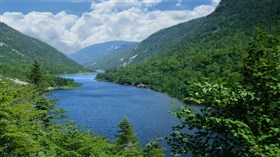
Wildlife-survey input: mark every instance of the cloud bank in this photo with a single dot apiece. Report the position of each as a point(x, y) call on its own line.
point(129, 20)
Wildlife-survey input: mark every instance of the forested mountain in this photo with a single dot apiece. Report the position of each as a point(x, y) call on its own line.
point(92, 55)
point(206, 47)
point(230, 17)
point(115, 59)
point(17, 52)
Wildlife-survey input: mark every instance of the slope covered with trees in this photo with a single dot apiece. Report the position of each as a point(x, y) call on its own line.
point(207, 47)
point(17, 52)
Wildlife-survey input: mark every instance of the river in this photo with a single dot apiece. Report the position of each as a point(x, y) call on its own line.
point(100, 106)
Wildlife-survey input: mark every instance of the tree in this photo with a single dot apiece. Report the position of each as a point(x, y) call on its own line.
point(153, 149)
point(237, 119)
point(35, 75)
point(127, 141)
point(23, 129)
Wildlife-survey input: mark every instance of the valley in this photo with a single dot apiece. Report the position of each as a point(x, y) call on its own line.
point(206, 86)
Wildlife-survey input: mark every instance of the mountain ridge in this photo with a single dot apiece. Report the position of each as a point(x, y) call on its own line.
point(211, 47)
point(19, 50)
point(94, 53)
point(203, 27)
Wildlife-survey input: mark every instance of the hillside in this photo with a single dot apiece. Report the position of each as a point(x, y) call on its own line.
point(206, 47)
point(115, 59)
point(93, 54)
point(18, 52)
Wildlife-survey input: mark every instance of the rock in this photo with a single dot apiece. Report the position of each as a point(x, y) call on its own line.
point(141, 85)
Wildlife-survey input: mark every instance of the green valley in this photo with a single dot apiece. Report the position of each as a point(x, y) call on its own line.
point(213, 83)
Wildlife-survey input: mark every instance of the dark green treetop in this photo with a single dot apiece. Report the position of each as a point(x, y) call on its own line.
point(153, 149)
point(127, 141)
point(35, 75)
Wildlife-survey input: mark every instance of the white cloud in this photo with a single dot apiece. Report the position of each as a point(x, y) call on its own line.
point(179, 3)
point(129, 20)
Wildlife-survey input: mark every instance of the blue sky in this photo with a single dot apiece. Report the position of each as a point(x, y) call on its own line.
point(70, 25)
point(78, 7)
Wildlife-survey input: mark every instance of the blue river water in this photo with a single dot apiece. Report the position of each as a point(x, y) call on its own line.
point(100, 106)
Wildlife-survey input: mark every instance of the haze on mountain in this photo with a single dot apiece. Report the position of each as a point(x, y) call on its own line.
point(92, 55)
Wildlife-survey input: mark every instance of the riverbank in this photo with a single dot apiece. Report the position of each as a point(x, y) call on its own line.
point(64, 87)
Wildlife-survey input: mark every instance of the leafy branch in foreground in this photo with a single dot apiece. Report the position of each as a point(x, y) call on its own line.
point(237, 119)
point(26, 129)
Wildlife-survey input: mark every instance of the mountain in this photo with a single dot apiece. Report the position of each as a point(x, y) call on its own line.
point(230, 17)
point(17, 52)
point(115, 59)
point(210, 46)
point(95, 53)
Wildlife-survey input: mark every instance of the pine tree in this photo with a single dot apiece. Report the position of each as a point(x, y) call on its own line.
point(127, 141)
point(35, 75)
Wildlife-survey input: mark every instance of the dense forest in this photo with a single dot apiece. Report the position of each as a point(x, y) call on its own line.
point(231, 25)
point(18, 52)
point(212, 47)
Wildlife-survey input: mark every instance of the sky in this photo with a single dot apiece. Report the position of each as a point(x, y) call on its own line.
point(70, 25)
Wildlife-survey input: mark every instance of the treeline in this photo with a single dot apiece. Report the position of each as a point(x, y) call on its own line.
point(22, 72)
point(27, 129)
point(172, 73)
point(41, 79)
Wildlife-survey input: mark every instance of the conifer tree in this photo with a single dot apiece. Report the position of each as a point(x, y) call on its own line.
point(35, 75)
point(127, 141)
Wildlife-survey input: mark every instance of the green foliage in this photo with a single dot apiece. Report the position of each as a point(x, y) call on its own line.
point(209, 47)
point(127, 141)
point(60, 83)
point(17, 52)
point(35, 75)
point(153, 149)
point(44, 80)
point(20, 122)
point(237, 119)
point(26, 128)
